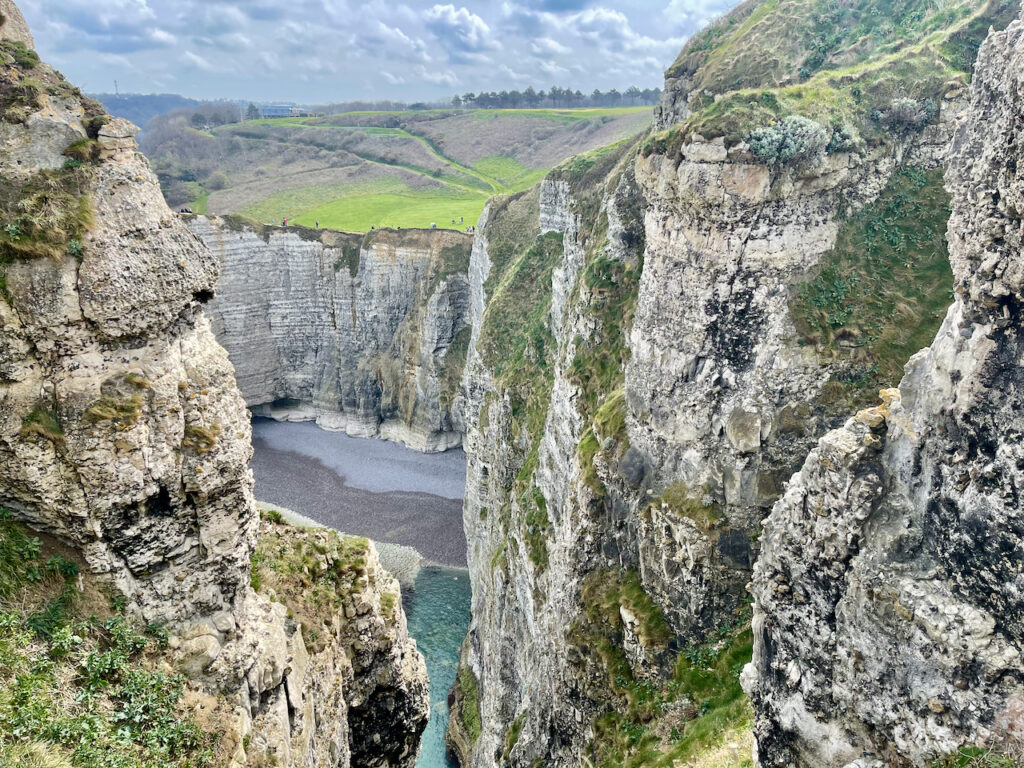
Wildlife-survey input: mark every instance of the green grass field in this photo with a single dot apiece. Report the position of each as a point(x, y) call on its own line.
point(382, 203)
point(394, 145)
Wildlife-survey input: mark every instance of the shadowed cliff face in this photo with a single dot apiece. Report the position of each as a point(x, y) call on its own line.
point(123, 435)
point(888, 604)
point(366, 334)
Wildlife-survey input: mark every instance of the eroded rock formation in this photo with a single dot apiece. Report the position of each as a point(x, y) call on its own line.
point(888, 603)
point(123, 434)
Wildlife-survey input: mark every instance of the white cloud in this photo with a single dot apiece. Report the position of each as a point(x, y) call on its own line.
point(318, 50)
point(691, 15)
point(197, 61)
point(459, 29)
point(546, 46)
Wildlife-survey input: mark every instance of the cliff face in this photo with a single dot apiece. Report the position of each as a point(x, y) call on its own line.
point(362, 334)
point(534, 525)
point(687, 336)
point(887, 618)
point(123, 435)
point(723, 395)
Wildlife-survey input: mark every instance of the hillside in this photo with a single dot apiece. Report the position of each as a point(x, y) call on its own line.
point(361, 169)
point(873, 68)
point(140, 108)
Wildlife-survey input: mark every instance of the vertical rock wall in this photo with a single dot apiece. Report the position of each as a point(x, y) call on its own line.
point(362, 334)
point(888, 610)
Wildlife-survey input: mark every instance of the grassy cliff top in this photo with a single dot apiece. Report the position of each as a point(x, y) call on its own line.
point(835, 62)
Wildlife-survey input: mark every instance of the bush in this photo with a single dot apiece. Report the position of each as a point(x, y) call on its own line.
point(217, 180)
point(793, 142)
point(905, 115)
point(844, 139)
point(23, 56)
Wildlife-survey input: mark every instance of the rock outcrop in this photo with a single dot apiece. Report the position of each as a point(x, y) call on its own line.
point(623, 457)
point(365, 334)
point(12, 24)
point(717, 372)
point(123, 435)
point(888, 603)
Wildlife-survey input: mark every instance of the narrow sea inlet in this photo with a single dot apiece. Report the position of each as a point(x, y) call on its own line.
point(393, 495)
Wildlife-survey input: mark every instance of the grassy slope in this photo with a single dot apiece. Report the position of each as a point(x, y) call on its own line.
point(80, 685)
point(684, 719)
point(882, 293)
point(396, 141)
point(836, 63)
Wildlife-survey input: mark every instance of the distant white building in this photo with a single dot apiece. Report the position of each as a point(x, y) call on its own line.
point(283, 110)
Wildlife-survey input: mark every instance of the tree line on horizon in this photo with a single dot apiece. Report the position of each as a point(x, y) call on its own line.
point(565, 98)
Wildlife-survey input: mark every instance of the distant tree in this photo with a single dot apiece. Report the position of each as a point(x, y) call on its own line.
point(530, 97)
point(456, 101)
point(634, 95)
point(218, 180)
point(252, 112)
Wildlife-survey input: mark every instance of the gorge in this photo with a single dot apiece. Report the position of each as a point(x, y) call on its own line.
point(692, 532)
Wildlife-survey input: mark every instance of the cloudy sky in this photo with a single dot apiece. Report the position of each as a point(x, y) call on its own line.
point(334, 50)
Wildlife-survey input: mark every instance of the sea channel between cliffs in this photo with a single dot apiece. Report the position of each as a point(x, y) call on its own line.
point(410, 504)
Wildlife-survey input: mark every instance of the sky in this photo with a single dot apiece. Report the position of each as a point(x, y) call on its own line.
point(319, 51)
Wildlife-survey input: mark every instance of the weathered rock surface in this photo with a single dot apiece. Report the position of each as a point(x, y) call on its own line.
point(12, 24)
point(716, 365)
point(337, 686)
point(362, 334)
point(711, 407)
point(518, 652)
point(888, 619)
point(123, 434)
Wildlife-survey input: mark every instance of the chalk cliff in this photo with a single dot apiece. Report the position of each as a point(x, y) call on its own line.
point(124, 436)
point(888, 611)
point(365, 334)
point(661, 332)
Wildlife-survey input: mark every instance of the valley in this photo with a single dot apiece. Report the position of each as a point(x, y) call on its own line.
point(360, 170)
point(701, 448)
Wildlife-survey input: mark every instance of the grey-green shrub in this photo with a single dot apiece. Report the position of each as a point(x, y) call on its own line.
point(793, 142)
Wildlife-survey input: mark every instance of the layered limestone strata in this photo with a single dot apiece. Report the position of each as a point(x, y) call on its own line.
point(888, 621)
point(518, 656)
point(718, 381)
point(362, 334)
point(706, 407)
point(123, 434)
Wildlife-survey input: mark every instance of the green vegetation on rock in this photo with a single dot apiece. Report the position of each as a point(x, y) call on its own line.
point(468, 703)
point(80, 685)
point(840, 64)
point(980, 757)
point(667, 721)
point(882, 292)
point(515, 338)
point(313, 571)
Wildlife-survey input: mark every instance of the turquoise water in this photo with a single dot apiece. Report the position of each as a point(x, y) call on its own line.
point(438, 613)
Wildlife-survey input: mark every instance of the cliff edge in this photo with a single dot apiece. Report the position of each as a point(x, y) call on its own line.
point(125, 442)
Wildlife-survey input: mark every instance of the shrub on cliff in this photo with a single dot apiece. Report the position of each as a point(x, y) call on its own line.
point(794, 142)
point(907, 115)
